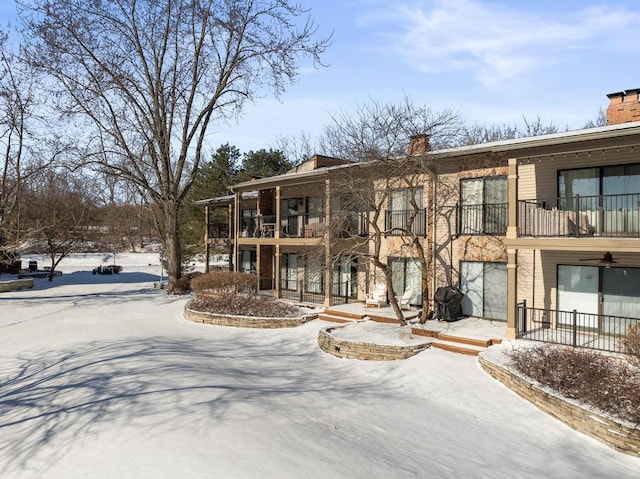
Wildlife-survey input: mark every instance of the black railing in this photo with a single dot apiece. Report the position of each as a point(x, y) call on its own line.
point(396, 223)
point(608, 216)
point(485, 219)
point(571, 328)
point(302, 291)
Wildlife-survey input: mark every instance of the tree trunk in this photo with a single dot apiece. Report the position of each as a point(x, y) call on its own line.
point(173, 250)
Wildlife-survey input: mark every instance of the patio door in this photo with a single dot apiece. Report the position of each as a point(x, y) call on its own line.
point(484, 286)
point(578, 288)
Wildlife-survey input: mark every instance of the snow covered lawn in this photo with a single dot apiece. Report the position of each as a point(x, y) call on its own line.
point(101, 377)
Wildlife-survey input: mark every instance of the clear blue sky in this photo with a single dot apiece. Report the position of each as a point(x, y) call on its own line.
point(491, 61)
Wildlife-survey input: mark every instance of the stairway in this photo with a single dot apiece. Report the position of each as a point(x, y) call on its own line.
point(471, 346)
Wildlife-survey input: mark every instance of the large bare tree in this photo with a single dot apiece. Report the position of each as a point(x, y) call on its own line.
point(378, 135)
point(151, 77)
point(26, 145)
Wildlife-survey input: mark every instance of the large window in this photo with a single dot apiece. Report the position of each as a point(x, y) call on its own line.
point(289, 271)
point(314, 275)
point(484, 205)
point(484, 286)
point(595, 290)
point(401, 211)
point(407, 274)
point(604, 200)
point(345, 279)
point(248, 261)
point(248, 222)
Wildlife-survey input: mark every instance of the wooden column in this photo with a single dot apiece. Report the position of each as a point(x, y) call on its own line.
point(327, 243)
point(206, 239)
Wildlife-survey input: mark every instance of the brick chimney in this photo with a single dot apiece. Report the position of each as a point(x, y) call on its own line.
point(419, 144)
point(624, 107)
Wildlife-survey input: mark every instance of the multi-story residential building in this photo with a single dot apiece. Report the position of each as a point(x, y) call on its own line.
point(529, 229)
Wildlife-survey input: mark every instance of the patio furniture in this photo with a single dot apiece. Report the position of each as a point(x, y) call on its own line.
point(378, 297)
point(404, 301)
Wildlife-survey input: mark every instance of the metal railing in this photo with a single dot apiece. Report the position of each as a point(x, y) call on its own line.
point(484, 219)
point(609, 216)
point(396, 223)
point(571, 328)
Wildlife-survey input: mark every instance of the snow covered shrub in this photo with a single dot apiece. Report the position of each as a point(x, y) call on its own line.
point(631, 342)
point(599, 380)
point(241, 304)
point(225, 282)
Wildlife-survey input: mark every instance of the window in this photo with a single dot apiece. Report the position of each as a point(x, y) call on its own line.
point(594, 290)
point(605, 199)
point(407, 274)
point(484, 205)
point(401, 211)
point(248, 225)
point(314, 275)
point(484, 286)
point(345, 279)
point(248, 261)
point(289, 271)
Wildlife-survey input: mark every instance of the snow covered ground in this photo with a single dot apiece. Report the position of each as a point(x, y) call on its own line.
point(100, 377)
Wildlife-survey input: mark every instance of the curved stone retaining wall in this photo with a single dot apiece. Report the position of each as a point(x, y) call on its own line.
point(245, 321)
point(617, 435)
point(16, 285)
point(367, 351)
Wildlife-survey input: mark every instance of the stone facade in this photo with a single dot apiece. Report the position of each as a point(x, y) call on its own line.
point(615, 434)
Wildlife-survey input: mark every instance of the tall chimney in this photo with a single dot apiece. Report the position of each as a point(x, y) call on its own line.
point(419, 144)
point(624, 107)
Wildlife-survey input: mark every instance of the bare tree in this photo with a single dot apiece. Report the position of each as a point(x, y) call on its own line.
point(152, 76)
point(60, 211)
point(19, 158)
point(378, 135)
point(477, 133)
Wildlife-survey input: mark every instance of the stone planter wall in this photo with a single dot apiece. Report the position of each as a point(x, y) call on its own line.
point(366, 351)
point(15, 285)
point(615, 434)
point(245, 321)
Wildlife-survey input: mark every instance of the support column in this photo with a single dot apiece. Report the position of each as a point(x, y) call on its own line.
point(512, 254)
point(236, 228)
point(512, 228)
point(277, 293)
point(206, 239)
point(327, 244)
point(512, 292)
point(278, 226)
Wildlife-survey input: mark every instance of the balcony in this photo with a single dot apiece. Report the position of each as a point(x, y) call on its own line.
point(483, 219)
point(396, 223)
point(606, 216)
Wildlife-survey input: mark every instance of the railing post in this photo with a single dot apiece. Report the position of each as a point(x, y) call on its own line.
point(575, 328)
point(524, 316)
point(301, 289)
point(577, 215)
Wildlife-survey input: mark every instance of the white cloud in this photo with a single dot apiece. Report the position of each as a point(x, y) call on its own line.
point(494, 43)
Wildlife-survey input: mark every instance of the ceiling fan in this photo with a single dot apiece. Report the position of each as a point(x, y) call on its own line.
point(607, 260)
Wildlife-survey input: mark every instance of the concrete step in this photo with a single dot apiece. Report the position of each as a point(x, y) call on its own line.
point(480, 342)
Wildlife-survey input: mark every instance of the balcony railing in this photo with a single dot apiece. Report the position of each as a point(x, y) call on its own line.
point(609, 216)
point(572, 328)
point(396, 223)
point(484, 219)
